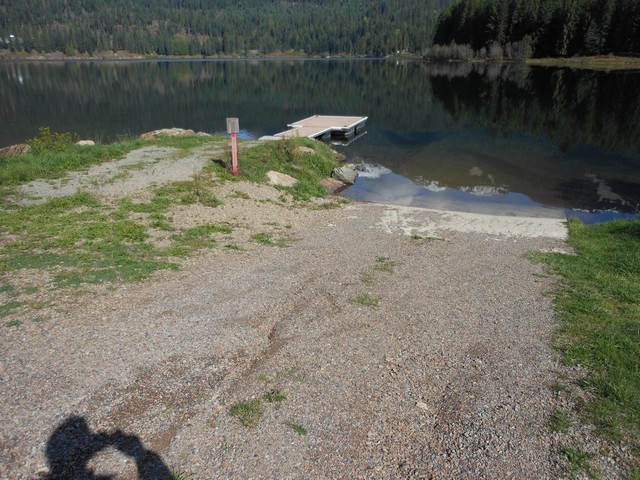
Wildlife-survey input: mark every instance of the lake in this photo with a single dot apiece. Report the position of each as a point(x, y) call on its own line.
point(489, 138)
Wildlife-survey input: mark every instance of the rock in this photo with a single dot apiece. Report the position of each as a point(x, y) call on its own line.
point(166, 132)
point(345, 174)
point(203, 134)
point(281, 179)
point(15, 150)
point(338, 156)
point(88, 143)
point(332, 185)
point(302, 149)
point(422, 405)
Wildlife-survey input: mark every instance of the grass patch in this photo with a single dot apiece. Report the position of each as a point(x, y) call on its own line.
point(275, 396)
point(577, 459)
point(262, 238)
point(383, 264)
point(49, 164)
point(296, 427)
point(367, 279)
point(599, 304)
point(560, 421)
point(78, 240)
point(13, 323)
point(179, 475)
point(282, 156)
point(249, 413)
point(239, 194)
point(420, 239)
point(366, 300)
point(9, 307)
point(185, 142)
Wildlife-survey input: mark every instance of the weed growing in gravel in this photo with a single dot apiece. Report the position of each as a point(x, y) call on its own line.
point(383, 264)
point(249, 413)
point(262, 238)
point(13, 323)
point(420, 239)
point(9, 307)
point(366, 300)
point(578, 460)
point(296, 427)
point(239, 194)
point(560, 421)
point(367, 279)
point(275, 396)
point(179, 475)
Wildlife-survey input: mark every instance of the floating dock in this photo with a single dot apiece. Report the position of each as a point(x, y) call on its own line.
point(324, 126)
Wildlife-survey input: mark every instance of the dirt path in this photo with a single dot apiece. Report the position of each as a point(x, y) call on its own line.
point(446, 377)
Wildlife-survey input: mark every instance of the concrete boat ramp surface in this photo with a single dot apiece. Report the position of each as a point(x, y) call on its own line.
point(402, 343)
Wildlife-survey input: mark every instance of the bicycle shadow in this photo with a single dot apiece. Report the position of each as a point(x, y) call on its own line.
point(72, 445)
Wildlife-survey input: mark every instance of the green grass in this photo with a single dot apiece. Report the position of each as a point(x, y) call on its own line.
point(275, 396)
point(560, 421)
point(296, 427)
point(179, 475)
point(54, 164)
point(249, 413)
point(366, 300)
point(281, 156)
point(13, 323)
point(383, 264)
point(239, 194)
point(599, 304)
point(578, 460)
point(9, 307)
point(262, 238)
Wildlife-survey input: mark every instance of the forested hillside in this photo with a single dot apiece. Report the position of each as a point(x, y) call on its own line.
point(219, 27)
point(539, 28)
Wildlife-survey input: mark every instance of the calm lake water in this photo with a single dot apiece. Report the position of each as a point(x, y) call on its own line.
point(497, 139)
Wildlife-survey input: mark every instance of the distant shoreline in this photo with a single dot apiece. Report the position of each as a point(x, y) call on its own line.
point(600, 62)
point(123, 55)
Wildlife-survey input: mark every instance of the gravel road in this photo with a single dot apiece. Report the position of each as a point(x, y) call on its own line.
point(448, 376)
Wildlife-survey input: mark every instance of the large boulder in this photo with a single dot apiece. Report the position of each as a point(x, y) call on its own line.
point(345, 174)
point(15, 150)
point(166, 132)
point(280, 179)
point(86, 143)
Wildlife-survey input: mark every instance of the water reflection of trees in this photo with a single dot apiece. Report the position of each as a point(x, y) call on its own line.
point(567, 106)
point(119, 97)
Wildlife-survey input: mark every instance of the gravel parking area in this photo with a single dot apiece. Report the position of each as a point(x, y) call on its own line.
point(378, 342)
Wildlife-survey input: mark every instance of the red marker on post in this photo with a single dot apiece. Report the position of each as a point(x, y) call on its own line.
point(233, 127)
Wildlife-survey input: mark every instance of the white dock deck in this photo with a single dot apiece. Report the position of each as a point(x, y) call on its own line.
point(321, 125)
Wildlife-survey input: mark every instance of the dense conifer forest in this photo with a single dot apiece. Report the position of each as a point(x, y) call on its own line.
point(538, 28)
point(220, 27)
point(459, 28)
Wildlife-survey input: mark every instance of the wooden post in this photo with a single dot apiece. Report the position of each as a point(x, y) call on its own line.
point(233, 127)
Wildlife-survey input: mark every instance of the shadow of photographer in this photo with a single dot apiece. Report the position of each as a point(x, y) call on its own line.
point(72, 445)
